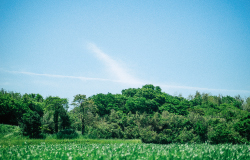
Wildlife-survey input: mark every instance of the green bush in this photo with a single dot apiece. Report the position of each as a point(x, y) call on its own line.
point(223, 133)
point(131, 132)
point(10, 131)
point(67, 134)
point(186, 136)
point(105, 130)
point(31, 125)
point(148, 135)
point(243, 127)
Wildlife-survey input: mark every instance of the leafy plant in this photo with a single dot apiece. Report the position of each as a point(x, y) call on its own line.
point(67, 134)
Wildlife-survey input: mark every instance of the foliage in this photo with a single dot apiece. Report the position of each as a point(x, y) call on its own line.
point(67, 134)
point(11, 109)
point(58, 106)
point(83, 112)
point(31, 124)
point(105, 130)
point(243, 127)
point(146, 113)
point(10, 132)
point(125, 151)
point(54, 141)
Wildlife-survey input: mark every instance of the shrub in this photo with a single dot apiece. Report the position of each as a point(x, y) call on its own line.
point(10, 132)
point(131, 132)
point(222, 133)
point(148, 135)
point(67, 134)
point(185, 136)
point(243, 127)
point(105, 130)
point(31, 124)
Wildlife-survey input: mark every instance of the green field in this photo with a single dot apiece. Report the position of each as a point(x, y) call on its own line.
point(15, 142)
point(127, 150)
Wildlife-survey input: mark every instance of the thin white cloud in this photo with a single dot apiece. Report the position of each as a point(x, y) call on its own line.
point(121, 74)
point(164, 86)
point(58, 76)
point(115, 68)
point(125, 77)
point(202, 89)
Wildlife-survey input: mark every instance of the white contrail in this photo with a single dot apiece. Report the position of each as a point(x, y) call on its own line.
point(202, 89)
point(119, 81)
point(114, 67)
point(121, 74)
point(125, 77)
point(59, 76)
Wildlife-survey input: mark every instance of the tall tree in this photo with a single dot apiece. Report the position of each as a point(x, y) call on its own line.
point(57, 106)
point(80, 101)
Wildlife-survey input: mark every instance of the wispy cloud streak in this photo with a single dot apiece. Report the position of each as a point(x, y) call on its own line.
point(58, 76)
point(202, 89)
point(125, 77)
point(164, 86)
point(121, 74)
point(115, 68)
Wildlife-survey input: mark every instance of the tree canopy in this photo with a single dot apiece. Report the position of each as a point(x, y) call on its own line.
point(146, 113)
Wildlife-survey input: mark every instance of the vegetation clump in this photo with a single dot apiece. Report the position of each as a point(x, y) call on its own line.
point(10, 132)
point(126, 151)
point(67, 134)
point(144, 113)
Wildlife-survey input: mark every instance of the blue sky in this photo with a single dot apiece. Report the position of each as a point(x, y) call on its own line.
point(64, 48)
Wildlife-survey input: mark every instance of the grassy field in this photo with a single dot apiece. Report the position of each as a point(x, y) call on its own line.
point(109, 149)
point(14, 146)
point(15, 142)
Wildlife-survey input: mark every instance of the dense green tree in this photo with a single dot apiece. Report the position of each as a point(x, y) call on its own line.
point(31, 124)
point(57, 106)
point(11, 110)
point(197, 99)
point(243, 127)
point(80, 102)
point(65, 122)
point(106, 102)
point(129, 92)
point(14, 105)
point(201, 130)
point(84, 111)
point(48, 125)
point(146, 113)
point(246, 104)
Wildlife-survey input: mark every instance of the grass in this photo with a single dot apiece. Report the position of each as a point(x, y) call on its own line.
point(15, 142)
point(12, 136)
point(77, 151)
point(14, 146)
point(10, 132)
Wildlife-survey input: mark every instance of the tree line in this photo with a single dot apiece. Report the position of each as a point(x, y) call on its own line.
point(146, 113)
